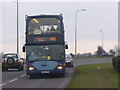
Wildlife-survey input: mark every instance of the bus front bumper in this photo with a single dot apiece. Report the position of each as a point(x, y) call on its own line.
point(55, 71)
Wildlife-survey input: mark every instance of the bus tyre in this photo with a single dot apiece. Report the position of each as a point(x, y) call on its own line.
point(6, 69)
point(3, 69)
point(31, 76)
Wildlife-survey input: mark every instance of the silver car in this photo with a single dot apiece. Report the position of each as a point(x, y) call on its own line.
point(12, 60)
point(69, 60)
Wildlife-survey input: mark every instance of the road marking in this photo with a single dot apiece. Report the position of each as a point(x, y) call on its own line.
point(2, 84)
point(23, 75)
point(13, 80)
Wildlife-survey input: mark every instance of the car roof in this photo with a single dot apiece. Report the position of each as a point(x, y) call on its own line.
point(11, 53)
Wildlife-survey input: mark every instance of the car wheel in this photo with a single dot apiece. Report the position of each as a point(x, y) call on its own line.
point(72, 65)
point(69, 65)
point(19, 68)
point(22, 68)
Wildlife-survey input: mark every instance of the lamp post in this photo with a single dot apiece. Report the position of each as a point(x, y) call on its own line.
point(17, 28)
point(76, 29)
point(102, 40)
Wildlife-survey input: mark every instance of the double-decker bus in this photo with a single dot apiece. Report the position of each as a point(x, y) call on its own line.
point(45, 45)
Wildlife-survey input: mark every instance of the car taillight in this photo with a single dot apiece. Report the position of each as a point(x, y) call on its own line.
point(27, 66)
point(18, 60)
point(64, 65)
point(3, 60)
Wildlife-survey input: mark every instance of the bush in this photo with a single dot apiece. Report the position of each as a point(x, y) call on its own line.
point(116, 63)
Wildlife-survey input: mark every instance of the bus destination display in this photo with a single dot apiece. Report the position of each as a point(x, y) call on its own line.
point(44, 39)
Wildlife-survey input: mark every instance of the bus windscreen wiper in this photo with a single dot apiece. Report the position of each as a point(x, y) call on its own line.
point(35, 60)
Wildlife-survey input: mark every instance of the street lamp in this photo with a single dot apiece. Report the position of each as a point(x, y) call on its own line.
point(17, 28)
point(102, 40)
point(76, 28)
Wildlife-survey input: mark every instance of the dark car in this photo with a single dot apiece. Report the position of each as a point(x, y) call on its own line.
point(69, 60)
point(12, 60)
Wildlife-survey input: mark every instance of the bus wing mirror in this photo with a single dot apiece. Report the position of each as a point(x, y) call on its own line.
point(23, 48)
point(66, 46)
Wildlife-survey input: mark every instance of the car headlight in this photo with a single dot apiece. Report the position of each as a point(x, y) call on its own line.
point(59, 67)
point(31, 68)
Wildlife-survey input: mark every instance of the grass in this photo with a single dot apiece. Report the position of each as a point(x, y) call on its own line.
point(95, 76)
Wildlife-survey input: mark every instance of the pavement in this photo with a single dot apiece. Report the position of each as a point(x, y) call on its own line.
point(19, 79)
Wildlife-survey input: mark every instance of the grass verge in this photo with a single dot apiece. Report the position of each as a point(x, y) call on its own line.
point(95, 76)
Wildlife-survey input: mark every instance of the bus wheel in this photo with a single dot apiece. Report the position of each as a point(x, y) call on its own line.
point(31, 76)
point(6, 69)
point(3, 69)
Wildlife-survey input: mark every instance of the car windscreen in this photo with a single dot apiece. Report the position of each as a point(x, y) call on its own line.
point(67, 57)
point(10, 55)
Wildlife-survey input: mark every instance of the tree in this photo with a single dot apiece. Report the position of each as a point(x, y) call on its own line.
point(1, 54)
point(99, 50)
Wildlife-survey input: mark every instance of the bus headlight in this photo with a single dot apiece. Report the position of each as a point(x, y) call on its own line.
point(59, 67)
point(31, 68)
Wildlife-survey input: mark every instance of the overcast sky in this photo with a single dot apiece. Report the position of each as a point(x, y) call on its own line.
point(98, 16)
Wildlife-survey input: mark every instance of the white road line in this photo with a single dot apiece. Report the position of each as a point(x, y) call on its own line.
point(23, 75)
point(42, 79)
point(2, 84)
point(13, 80)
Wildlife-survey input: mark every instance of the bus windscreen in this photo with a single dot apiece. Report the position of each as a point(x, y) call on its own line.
point(45, 52)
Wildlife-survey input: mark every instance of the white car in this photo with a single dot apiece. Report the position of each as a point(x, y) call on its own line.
point(69, 60)
point(118, 54)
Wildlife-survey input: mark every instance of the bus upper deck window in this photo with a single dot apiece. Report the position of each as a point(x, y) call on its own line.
point(44, 26)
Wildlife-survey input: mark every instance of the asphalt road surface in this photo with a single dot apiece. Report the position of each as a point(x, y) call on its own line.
point(92, 61)
point(19, 79)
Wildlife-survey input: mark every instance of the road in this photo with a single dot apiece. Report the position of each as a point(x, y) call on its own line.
point(92, 61)
point(15, 79)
